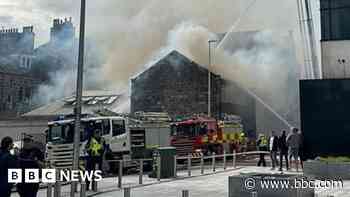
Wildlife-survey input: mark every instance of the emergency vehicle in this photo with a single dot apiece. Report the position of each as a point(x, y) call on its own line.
point(126, 137)
point(207, 135)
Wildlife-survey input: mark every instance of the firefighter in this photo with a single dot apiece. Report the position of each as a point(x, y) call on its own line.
point(242, 141)
point(262, 144)
point(95, 149)
point(235, 141)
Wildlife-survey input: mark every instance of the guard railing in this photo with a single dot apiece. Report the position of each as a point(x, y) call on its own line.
point(203, 160)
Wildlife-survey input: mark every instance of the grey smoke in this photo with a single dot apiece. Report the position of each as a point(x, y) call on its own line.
point(130, 34)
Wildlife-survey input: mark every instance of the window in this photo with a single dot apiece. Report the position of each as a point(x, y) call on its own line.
point(105, 127)
point(28, 63)
point(55, 132)
point(118, 127)
point(335, 19)
point(20, 94)
point(68, 133)
point(23, 60)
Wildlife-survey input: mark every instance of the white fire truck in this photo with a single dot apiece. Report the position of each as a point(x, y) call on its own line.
point(128, 138)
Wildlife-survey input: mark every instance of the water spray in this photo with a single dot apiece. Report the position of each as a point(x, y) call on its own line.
point(237, 22)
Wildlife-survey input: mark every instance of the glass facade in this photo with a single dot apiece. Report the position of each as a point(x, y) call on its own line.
point(335, 19)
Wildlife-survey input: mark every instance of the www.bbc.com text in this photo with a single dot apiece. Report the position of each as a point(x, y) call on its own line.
point(299, 183)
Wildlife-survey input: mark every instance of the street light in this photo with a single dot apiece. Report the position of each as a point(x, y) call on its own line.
point(79, 93)
point(209, 77)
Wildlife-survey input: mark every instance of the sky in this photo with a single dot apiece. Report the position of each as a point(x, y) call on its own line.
point(40, 13)
point(132, 34)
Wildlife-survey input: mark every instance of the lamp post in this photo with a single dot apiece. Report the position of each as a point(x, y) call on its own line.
point(209, 77)
point(79, 92)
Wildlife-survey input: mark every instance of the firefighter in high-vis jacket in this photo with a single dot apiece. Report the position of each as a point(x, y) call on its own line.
point(95, 149)
point(262, 144)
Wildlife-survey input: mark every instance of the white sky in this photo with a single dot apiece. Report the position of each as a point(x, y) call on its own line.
point(17, 13)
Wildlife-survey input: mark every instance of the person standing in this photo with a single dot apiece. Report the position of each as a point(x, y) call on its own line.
point(7, 161)
point(282, 143)
point(95, 150)
point(294, 143)
point(262, 146)
point(29, 159)
point(301, 150)
point(273, 148)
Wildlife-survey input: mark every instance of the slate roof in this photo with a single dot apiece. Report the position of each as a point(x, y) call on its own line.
point(92, 101)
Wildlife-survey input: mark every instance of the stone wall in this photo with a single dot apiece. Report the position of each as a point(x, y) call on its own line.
point(175, 85)
point(16, 91)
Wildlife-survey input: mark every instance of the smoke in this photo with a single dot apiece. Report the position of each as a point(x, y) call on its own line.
point(131, 34)
point(261, 61)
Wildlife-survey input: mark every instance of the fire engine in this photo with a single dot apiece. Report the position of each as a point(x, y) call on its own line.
point(207, 135)
point(136, 137)
point(127, 138)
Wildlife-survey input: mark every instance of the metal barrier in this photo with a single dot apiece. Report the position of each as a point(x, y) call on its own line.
point(83, 189)
point(202, 164)
point(185, 193)
point(224, 162)
point(57, 192)
point(188, 158)
point(254, 194)
point(158, 167)
point(141, 172)
point(140, 164)
point(175, 166)
point(94, 183)
point(234, 158)
point(127, 192)
point(120, 174)
point(213, 160)
point(49, 190)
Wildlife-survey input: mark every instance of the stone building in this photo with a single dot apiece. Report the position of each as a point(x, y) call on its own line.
point(16, 89)
point(177, 85)
point(62, 31)
point(16, 83)
point(17, 48)
point(59, 53)
point(335, 38)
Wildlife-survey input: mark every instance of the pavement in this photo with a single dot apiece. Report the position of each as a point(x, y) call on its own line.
point(213, 184)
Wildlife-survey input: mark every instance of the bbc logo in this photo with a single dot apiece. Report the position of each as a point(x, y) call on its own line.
point(31, 175)
point(49, 175)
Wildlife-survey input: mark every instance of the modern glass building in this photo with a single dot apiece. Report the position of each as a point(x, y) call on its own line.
point(335, 38)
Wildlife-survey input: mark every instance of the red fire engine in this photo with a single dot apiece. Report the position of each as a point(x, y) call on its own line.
point(206, 135)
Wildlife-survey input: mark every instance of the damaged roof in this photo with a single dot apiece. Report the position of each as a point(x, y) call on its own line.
point(92, 101)
point(173, 58)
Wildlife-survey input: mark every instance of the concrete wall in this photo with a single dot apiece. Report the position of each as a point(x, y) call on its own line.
point(335, 59)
